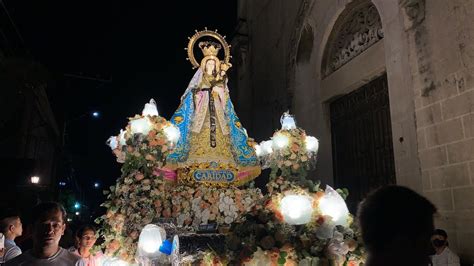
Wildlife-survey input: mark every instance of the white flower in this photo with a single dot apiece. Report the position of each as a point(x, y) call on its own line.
point(196, 201)
point(205, 216)
point(228, 220)
point(198, 215)
point(222, 207)
point(180, 219)
point(228, 200)
point(196, 222)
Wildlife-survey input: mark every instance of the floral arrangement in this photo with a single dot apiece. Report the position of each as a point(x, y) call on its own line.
point(276, 256)
point(295, 223)
point(289, 153)
point(323, 231)
point(265, 237)
point(137, 200)
point(152, 144)
point(143, 194)
point(141, 147)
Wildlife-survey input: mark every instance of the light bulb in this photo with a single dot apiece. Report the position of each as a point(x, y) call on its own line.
point(258, 150)
point(294, 213)
point(150, 246)
point(287, 121)
point(296, 209)
point(312, 144)
point(112, 142)
point(172, 133)
point(150, 239)
point(266, 147)
point(280, 141)
point(150, 109)
point(332, 204)
point(141, 125)
point(35, 179)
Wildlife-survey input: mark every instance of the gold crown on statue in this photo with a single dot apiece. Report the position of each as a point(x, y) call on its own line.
point(209, 48)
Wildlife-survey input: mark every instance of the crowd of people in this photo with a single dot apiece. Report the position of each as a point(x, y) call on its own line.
point(396, 223)
point(49, 224)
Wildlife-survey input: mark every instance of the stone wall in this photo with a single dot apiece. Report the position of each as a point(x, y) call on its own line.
point(262, 30)
point(427, 51)
point(442, 66)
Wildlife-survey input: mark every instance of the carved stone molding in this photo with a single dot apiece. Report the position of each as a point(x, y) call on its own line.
point(356, 29)
point(305, 45)
point(303, 11)
point(414, 12)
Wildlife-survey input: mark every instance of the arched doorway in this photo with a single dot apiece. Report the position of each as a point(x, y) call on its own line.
point(355, 91)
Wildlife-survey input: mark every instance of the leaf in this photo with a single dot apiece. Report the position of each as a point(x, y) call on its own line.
point(281, 261)
point(342, 193)
point(346, 191)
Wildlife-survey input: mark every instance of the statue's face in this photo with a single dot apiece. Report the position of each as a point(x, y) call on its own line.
point(210, 65)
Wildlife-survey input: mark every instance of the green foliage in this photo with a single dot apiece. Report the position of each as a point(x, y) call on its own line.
point(344, 192)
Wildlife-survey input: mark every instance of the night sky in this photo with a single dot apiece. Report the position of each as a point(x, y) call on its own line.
point(137, 47)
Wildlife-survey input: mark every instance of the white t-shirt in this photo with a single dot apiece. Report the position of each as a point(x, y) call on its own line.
point(61, 258)
point(92, 260)
point(446, 258)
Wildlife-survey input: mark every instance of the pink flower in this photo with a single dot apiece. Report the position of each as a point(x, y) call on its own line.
point(139, 176)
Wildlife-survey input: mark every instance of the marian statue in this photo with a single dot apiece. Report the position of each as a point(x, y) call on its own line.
point(214, 147)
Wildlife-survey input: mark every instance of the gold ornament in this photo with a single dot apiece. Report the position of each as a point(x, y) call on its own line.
point(225, 66)
point(209, 49)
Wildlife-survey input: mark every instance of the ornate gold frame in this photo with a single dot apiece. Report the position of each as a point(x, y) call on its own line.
point(209, 33)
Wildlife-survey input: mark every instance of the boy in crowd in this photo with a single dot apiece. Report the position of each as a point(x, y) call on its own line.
point(11, 228)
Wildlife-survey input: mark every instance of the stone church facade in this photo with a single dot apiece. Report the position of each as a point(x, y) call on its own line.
point(386, 86)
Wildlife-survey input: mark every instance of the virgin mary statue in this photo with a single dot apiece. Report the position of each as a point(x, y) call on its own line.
point(213, 148)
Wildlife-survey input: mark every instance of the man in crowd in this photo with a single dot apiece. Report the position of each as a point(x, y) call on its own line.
point(49, 225)
point(443, 256)
point(396, 225)
point(11, 228)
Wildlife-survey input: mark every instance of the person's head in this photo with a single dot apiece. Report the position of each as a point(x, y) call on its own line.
point(49, 223)
point(10, 224)
point(397, 220)
point(85, 237)
point(439, 239)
